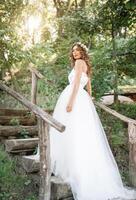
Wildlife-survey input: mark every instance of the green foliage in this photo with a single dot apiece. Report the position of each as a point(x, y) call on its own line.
point(31, 197)
point(14, 122)
point(106, 27)
point(93, 24)
point(24, 133)
point(103, 77)
point(126, 56)
point(10, 51)
point(116, 14)
point(103, 64)
point(9, 181)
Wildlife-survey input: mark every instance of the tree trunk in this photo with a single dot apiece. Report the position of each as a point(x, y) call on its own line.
point(114, 64)
point(82, 3)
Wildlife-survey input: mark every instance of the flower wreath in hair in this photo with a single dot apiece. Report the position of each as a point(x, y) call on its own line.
point(84, 47)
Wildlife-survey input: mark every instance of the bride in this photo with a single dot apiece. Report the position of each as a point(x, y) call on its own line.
point(81, 155)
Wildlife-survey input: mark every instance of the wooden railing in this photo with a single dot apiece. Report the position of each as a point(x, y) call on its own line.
point(132, 139)
point(44, 120)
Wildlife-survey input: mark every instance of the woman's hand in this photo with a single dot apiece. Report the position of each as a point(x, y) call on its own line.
point(69, 107)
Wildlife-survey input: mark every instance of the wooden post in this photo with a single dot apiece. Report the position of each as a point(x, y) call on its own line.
point(35, 76)
point(132, 153)
point(34, 88)
point(45, 168)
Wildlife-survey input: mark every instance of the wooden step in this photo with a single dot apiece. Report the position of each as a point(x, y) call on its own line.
point(18, 145)
point(6, 131)
point(60, 190)
point(17, 112)
point(18, 120)
point(13, 112)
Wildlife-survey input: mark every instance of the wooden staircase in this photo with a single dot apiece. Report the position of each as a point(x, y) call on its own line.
point(21, 140)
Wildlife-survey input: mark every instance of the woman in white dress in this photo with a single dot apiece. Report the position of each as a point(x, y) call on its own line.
point(81, 155)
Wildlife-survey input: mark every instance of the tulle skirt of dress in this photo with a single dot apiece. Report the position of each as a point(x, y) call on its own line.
point(81, 155)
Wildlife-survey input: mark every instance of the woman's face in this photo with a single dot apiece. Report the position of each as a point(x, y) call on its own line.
point(76, 52)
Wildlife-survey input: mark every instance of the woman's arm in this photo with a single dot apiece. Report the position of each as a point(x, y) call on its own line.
point(89, 87)
point(78, 72)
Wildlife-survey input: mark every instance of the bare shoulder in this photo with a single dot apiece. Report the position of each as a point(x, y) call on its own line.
point(80, 62)
point(80, 65)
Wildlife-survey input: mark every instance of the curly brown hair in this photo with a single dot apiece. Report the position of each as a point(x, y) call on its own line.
point(84, 56)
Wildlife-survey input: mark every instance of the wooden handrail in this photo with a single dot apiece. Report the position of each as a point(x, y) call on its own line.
point(115, 113)
point(34, 108)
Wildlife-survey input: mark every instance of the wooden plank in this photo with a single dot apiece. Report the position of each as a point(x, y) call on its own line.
point(6, 131)
point(37, 110)
point(45, 168)
point(13, 112)
point(21, 152)
point(18, 112)
point(21, 144)
point(17, 120)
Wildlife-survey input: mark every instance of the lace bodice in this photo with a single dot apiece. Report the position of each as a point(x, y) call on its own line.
point(83, 80)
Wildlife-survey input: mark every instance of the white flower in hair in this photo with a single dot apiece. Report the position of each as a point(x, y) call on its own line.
point(83, 46)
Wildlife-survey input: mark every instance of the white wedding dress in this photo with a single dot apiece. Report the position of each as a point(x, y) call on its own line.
point(81, 155)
